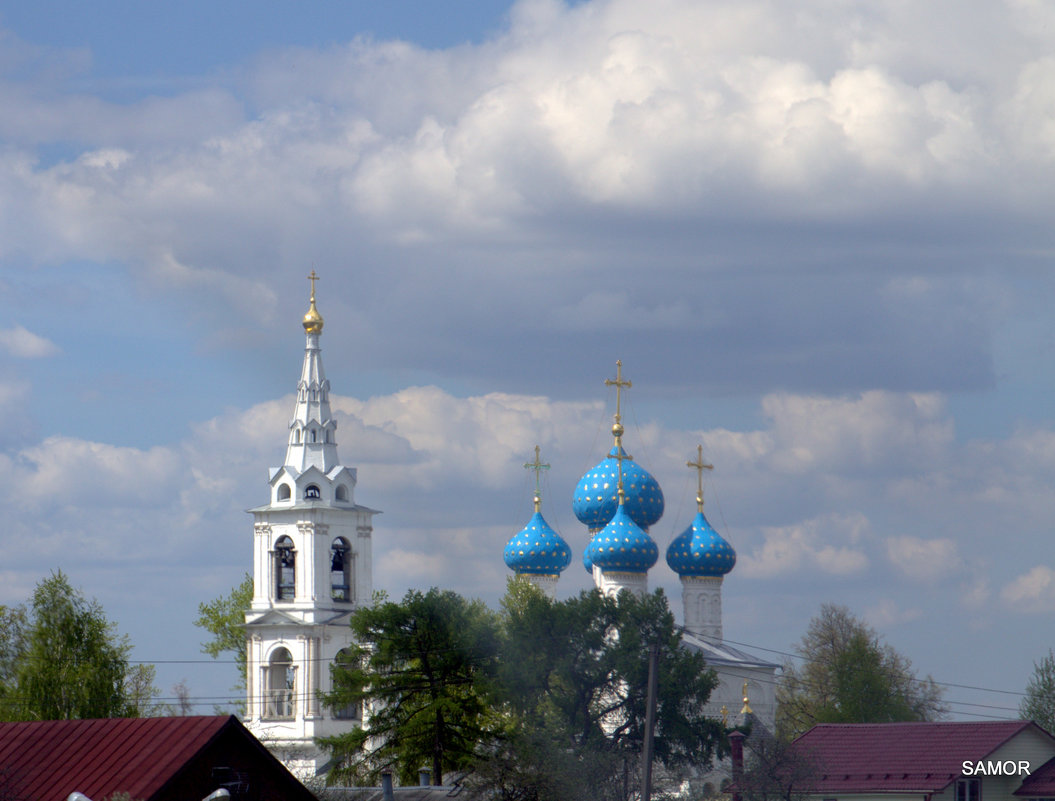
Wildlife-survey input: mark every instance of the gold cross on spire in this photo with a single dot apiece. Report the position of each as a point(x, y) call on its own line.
point(538, 466)
point(313, 320)
point(618, 383)
point(700, 466)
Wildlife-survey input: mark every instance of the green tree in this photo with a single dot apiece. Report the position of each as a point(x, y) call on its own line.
point(849, 675)
point(573, 675)
point(141, 691)
point(224, 619)
point(1039, 703)
point(13, 625)
point(73, 664)
point(423, 667)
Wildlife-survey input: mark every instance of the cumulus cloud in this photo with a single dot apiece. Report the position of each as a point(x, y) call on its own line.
point(432, 439)
point(812, 546)
point(852, 434)
point(924, 560)
point(433, 461)
point(24, 344)
point(65, 472)
point(582, 165)
point(448, 474)
point(1032, 591)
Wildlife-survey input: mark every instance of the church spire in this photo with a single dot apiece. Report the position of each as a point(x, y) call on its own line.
point(312, 431)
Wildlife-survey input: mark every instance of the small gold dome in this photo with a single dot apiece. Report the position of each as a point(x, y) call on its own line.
point(313, 320)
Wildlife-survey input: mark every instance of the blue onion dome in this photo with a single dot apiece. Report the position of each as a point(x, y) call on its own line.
point(586, 560)
point(622, 546)
point(537, 549)
point(700, 551)
point(596, 499)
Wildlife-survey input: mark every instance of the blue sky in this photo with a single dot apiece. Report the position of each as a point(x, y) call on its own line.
point(817, 234)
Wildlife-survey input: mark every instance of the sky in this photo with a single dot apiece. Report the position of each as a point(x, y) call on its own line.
point(816, 232)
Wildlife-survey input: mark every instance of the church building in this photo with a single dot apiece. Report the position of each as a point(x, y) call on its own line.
point(619, 501)
point(311, 569)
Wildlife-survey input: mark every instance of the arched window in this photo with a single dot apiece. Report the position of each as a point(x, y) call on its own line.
point(341, 570)
point(352, 710)
point(313, 433)
point(312, 493)
point(342, 492)
point(284, 492)
point(280, 685)
point(285, 570)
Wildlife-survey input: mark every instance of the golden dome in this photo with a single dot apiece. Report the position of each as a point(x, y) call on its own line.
point(313, 320)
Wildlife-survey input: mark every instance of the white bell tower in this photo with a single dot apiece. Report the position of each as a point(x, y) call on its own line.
point(311, 568)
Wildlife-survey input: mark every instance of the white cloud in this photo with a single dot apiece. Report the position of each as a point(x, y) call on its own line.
point(63, 472)
point(812, 546)
point(434, 557)
point(447, 473)
point(24, 344)
point(1032, 591)
point(682, 109)
point(434, 462)
point(482, 439)
point(878, 430)
point(924, 560)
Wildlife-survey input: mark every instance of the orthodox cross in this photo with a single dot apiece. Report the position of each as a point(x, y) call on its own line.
point(618, 383)
point(538, 466)
point(313, 278)
point(617, 427)
point(700, 466)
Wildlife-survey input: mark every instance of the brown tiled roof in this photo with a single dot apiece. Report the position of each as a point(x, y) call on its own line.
point(47, 760)
point(900, 757)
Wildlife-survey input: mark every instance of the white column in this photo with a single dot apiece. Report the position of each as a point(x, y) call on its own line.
point(611, 582)
point(547, 584)
point(252, 679)
point(702, 600)
point(364, 580)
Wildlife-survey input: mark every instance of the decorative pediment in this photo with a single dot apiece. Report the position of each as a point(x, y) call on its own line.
point(273, 617)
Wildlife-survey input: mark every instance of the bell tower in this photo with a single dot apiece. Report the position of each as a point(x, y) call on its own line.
point(311, 569)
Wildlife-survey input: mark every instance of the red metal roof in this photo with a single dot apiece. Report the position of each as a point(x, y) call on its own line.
point(900, 757)
point(49, 759)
